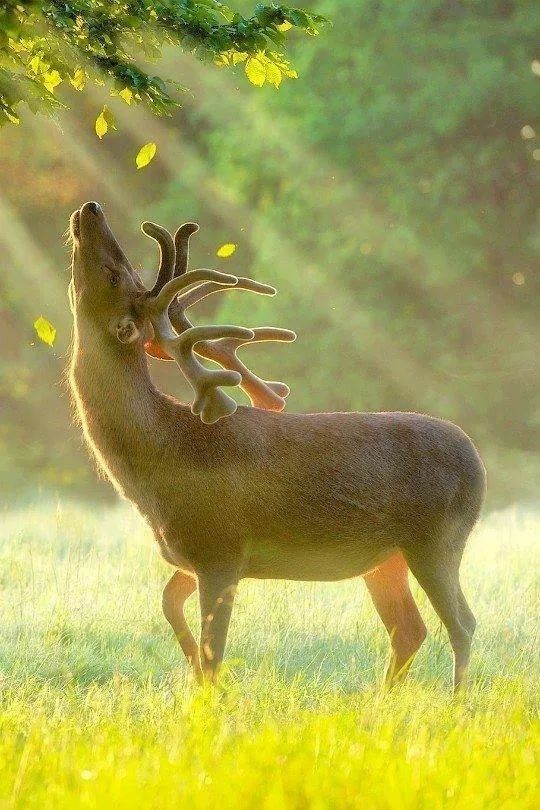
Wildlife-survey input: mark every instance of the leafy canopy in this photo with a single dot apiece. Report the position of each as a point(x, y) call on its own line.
point(45, 44)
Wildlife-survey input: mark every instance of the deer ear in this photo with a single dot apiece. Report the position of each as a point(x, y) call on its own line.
point(126, 330)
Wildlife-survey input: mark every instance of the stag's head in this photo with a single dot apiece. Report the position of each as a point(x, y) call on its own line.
point(108, 294)
point(105, 290)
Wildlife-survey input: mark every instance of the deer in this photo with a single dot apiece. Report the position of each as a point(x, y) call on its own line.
point(251, 491)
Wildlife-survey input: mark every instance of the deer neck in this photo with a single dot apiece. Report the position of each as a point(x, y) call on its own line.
point(116, 403)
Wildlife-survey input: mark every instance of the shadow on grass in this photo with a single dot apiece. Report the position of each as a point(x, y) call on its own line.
point(101, 655)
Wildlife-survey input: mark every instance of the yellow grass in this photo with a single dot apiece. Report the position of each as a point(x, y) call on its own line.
point(97, 708)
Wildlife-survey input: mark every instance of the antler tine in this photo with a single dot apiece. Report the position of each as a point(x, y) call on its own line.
point(181, 243)
point(166, 253)
point(159, 302)
point(269, 395)
point(187, 299)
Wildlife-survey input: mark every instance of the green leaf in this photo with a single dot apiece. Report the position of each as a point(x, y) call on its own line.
point(45, 330)
point(145, 154)
point(226, 250)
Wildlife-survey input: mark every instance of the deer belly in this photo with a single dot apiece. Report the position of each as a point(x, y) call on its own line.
point(315, 562)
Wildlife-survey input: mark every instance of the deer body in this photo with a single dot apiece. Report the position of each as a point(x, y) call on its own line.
point(288, 496)
point(301, 496)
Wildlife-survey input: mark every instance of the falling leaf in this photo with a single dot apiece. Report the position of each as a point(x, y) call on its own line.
point(255, 71)
point(226, 250)
point(145, 155)
point(101, 126)
point(105, 122)
point(45, 330)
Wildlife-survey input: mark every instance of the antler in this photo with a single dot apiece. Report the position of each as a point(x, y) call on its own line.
point(220, 348)
point(210, 402)
point(181, 244)
point(166, 253)
point(263, 394)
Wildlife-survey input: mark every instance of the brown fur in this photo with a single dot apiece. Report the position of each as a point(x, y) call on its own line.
point(271, 495)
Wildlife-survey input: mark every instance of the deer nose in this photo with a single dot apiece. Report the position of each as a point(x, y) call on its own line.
point(94, 207)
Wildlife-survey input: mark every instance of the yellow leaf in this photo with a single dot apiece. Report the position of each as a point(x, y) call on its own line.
point(101, 126)
point(16, 46)
point(51, 79)
point(285, 26)
point(104, 122)
point(291, 74)
point(14, 118)
point(45, 330)
point(78, 80)
point(35, 64)
point(255, 71)
point(239, 57)
point(126, 94)
point(273, 74)
point(145, 155)
point(226, 250)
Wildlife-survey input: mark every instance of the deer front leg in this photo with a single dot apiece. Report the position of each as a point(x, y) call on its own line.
point(177, 590)
point(217, 589)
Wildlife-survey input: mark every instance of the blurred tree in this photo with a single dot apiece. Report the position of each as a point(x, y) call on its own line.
point(391, 199)
point(389, 196)
point(43, 44)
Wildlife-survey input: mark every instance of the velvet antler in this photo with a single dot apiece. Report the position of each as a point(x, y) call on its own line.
point(210, 402)
point(222, 348)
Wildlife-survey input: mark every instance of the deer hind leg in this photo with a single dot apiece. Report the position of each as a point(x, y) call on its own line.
point(177, 590)
point(388, 586)
point(437, 572)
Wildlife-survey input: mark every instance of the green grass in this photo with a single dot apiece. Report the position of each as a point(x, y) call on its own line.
point(97, 708)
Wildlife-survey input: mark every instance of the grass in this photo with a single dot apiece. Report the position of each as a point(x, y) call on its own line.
point(97, 708)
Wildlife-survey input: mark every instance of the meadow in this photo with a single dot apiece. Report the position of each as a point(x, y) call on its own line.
point(97, 708)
